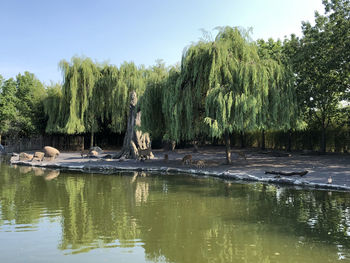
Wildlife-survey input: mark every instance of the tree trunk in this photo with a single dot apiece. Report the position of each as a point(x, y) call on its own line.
point(91, 139)
point(323, 139)
point(263, 140)
point(289, 146)
point(82, 143)
point(228, 148)
point(0, 138)
point(242, 140)
point(173, 145)
point(195, 146)
point(135, 141)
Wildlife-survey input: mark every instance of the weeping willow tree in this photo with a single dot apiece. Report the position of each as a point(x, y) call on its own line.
point(52, 107)
point(76, 107)
point(152, 100)
point(282, 112)
point(246, 92)
point(78, 111)
point(92, 94)
point(225, 87)
point(118, 84)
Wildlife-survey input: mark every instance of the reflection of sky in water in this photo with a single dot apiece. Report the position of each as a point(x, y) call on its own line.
point(19, 245)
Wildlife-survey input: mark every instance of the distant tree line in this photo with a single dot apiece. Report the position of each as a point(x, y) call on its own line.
point(229, 85)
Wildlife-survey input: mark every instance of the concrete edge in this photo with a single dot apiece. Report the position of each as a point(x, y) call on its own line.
point(242, 176)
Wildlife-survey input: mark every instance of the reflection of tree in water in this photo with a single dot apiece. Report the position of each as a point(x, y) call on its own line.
point(142, 189)
point(95, 215)
point(182, 219)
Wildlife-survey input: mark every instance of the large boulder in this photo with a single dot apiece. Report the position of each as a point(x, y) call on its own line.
point(51, 152)
point(2, 149)
point(96, 149)
point(92, 153)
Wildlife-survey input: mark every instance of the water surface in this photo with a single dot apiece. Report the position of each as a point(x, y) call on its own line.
point(48, 216)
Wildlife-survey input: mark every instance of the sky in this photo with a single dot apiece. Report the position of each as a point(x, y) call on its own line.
point(36, 34)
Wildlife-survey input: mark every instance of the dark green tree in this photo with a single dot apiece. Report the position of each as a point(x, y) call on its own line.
point(152, 101)
point(8, 103)
point(78, 113)
point(321, 62)
point(52, 107)
point(30, 94)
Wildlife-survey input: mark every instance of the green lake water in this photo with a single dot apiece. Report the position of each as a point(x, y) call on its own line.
point(47, 216)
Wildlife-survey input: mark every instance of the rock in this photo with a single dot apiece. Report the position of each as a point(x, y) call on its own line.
point(107, 156)
point(92, 153)
point(96, 149)
point(51, 152)
point(25, 156)
point(2, 149)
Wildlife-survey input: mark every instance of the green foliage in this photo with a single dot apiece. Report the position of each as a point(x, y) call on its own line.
point(151, 101)
point(8, 105)
point(92, 94)
point(52, 108)
point(30, 93)
point(80, 77)
point(21, 106)
point(224, 86)
point(320, 60)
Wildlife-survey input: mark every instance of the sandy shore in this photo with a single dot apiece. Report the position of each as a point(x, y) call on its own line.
point(319, 167)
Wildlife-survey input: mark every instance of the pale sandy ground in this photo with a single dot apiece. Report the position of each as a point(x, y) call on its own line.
point(320, 167)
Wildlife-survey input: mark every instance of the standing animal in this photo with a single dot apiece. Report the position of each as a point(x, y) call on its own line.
point(166, 157)
point(200, 164)
point(241, 154)
point(145, 154)
point(88, 154)
point(39, 156)
point(51, 152)
point(25, 156)
point(187, 159)
point(84, 153)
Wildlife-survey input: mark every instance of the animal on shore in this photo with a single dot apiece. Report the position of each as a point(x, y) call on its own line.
point(88, 154)
point(242, 154)
point(51, 152)
point(166, 157)
point(144, 154)
point(187, 159)
point(25, 156)
point(84, 154)
point(39, 156)
point(200, 164)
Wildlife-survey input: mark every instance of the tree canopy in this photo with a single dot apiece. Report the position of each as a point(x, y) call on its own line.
point(223, 86)
point(320, 60)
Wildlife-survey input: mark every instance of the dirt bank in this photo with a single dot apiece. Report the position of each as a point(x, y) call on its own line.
point(319, 167)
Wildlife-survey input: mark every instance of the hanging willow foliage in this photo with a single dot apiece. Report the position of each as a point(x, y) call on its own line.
point(91, 94)
point(52, 108)
point(151, 101)
point(223, 86)
point(80, 77)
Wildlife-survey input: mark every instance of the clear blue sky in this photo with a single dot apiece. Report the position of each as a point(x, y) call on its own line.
point(36, 34)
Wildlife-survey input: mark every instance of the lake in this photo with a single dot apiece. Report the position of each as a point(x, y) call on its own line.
point(53, 216)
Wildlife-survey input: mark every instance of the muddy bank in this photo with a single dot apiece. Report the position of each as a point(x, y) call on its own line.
point(319, 167)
